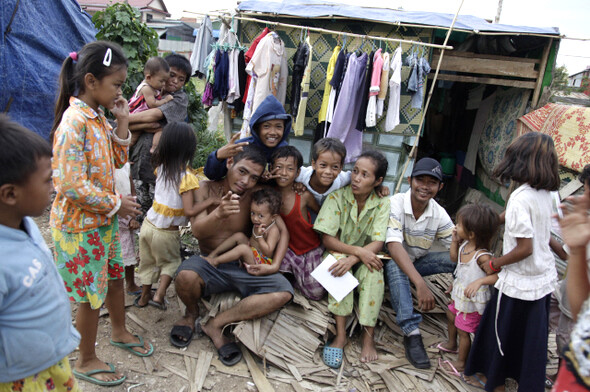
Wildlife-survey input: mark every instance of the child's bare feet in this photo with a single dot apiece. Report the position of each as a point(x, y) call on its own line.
point(368, 351)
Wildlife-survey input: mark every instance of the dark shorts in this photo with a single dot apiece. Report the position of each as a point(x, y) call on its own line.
point(231, 277)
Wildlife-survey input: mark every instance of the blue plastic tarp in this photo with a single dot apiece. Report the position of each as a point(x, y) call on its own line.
point(314, 9)
point(32, 49)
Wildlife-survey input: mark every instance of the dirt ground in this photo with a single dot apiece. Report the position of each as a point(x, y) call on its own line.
point(166, 369)
point(168, 362)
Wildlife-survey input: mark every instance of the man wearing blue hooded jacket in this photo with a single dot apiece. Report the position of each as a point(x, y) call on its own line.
point(270, 127)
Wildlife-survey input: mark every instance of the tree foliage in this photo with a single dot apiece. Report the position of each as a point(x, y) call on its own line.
point(122, 24)
point(560, 78)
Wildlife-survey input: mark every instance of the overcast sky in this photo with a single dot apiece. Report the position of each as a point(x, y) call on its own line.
point(572, 17)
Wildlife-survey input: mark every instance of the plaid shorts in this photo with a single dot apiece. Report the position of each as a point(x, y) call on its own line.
point(301, 266)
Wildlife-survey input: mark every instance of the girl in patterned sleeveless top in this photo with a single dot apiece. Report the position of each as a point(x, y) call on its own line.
point(476, 226)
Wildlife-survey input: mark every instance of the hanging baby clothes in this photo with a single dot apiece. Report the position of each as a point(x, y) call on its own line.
point(346, 113)
point(362, 108)
point(383, 85)
point(419, 69)
point(269, 67)
point(248, 55)
point(299, 64)
point(371, 118)
point(300, 120)
point(395, 68)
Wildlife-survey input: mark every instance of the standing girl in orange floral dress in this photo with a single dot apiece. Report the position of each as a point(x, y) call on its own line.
point(84, 224)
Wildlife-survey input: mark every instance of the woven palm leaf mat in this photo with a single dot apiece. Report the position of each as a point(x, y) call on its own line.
point(289, 344)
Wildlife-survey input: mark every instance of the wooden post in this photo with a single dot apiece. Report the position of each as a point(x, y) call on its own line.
point(542, 68)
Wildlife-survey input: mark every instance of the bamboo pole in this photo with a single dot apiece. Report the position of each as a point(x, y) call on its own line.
point(333, 32)
point(415, 146)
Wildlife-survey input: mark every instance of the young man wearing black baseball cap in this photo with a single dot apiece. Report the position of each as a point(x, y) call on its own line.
point(416, 220)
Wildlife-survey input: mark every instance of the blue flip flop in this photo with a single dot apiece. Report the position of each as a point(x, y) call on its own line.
point(332, 356)
point(129, 347)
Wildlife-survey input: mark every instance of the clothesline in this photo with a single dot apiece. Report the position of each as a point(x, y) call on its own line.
point(327, 31)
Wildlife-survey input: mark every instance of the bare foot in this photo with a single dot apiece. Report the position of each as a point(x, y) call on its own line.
point(97, 364)
point(215, 334)
point(368, 351)
point(127, 337)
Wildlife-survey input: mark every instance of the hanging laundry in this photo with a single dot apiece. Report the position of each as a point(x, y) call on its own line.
point(327, 85)
point(269, 70)
point(419, 69)
point(202, 47)
point(300, 120)
point(248, 55)
point(299, 64)
point(395, 68)
point(371, 117)
point(207, 98)
point(362, 109)
point(269, 63)
point(345, 112)
point(328, 98)
point(233, 77)
point(383, 85)
point(220, 87)
point(243, 76)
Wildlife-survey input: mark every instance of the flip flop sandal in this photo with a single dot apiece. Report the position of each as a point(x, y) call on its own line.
point(229, 354)
point(332, 356)
point(136, 302)
point(181, 331)
point(129, 347)
point(87, 376)
point(156, 304)
point(440, 347)
point(481, 385)
point(453, 370)
point(134, 293)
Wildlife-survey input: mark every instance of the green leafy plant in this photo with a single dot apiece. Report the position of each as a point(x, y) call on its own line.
point(122, 24)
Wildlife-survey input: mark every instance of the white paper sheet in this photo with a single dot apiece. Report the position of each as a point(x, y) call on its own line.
point(338, 287)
